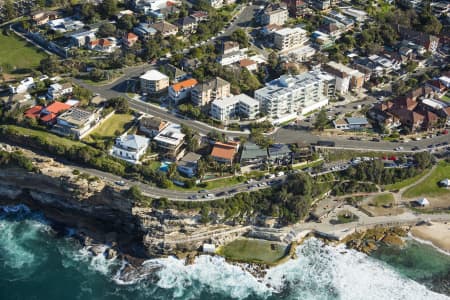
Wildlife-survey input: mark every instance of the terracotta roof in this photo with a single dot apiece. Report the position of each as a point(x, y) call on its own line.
point(184, 84)
point(33, 112)
point(438, 84)
point(48, 118)
point(431, 117)
point(57, 107)
point(101, 42)
point(246, 62)
point(224, 151)
point(131, 36)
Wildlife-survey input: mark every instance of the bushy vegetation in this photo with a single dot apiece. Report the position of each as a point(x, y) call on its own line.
point(16, 159)
point(288, 203)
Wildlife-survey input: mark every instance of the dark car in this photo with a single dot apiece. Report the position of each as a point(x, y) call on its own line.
point(375, 140)
point(415, 148)
point(233, 191)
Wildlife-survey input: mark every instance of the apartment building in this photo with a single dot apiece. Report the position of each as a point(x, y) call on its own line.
point(181, 90)
point(288, 38)
point(153, 82)
point(288, 96)
point(346, 78)
point(234, 106)
point(274, 14)
point(75, 122)
point(204, 93)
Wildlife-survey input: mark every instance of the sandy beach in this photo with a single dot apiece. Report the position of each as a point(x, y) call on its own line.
point(436, 233)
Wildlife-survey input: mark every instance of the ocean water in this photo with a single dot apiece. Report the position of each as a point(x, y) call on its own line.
point(36, 263)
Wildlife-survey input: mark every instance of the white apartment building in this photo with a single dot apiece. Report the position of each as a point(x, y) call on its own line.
point(288, 38)
point(170, 141)
point(234, 106)
point(153, 82)
point(290, 96)
point(346, 78)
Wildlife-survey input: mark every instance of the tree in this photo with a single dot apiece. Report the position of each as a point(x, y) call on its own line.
point(8, 10)
point(321, 120)
point(120, 104)
point(240, 36)
point(49, 65)
point(201, 169)
point(126, 22)
point(108, 8)
point(172, 170)
point(106, 30)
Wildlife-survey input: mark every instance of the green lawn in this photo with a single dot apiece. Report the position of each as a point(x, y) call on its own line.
point(45, 135)
point(250, 250)
point(383, 199)
point(117, 122)
point(404, 183)
point(429, 187)
point(446, 97)
point(16, 53)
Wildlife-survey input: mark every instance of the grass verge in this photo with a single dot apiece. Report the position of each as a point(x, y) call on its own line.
point(430, 186)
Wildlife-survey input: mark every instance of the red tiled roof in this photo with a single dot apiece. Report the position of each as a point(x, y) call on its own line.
point(246, 62)
point(224, 151)
point(184, 84)
point(131, 36)
point(48, 118)
point(33, 112)
point(57, 107)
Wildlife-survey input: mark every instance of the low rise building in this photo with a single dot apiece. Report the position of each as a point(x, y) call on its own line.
point(152, 126)
point(187, 24)
point(83, 37)
point(23, 86)
point(346, 77)
point(188, 165)
point(144, 31)
point(165, 29)
point(130, 148)
point(253, 154)
point(274, 14)
point(288, 38)
point(107, 45)
point(231, 53)
point(181, 90)
point(56, 90)
point(224, 152)
point(204, 93)
point(352, 123)
point(130, 39)
point(170, 141)
point(154, 82)
point(75, 122)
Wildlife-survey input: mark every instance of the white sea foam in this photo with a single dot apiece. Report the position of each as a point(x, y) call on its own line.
point(319, 272)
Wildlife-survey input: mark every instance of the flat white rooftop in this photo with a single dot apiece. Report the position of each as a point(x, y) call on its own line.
point(154, 75)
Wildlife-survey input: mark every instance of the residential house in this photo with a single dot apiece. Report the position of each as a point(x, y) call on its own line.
point(75, 122)
point(252, 154)
point(231, 53)
point(288, 38)
point(280, 153)
point(224, 152)
point(170, 141)
point(352, 123)
point(152, 126)
point(57, 90)
point(438, 87)
point(274, 14)
point(43, 17)
point(358, 15)
point(202, 94)
point(130, 148)
point(187, 24)
point(188, 164)
point(65, 25)
point(249, 64)
point(181, 90)
point(49, 114)
point(130, 39)
point(107, 45)
point(144, 31)
point(83, 37)
point(296, 8)
point(165, 29)
point(200, 16)
point(23, 86)
point(215, 3)
point(154, 82)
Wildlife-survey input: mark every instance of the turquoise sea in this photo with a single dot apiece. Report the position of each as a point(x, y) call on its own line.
point(37, 263)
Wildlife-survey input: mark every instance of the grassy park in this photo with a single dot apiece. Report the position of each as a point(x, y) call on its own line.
point(250, 250)
point(430, 186)
point(383, 199)
point(117, 123)
point(16, 53)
